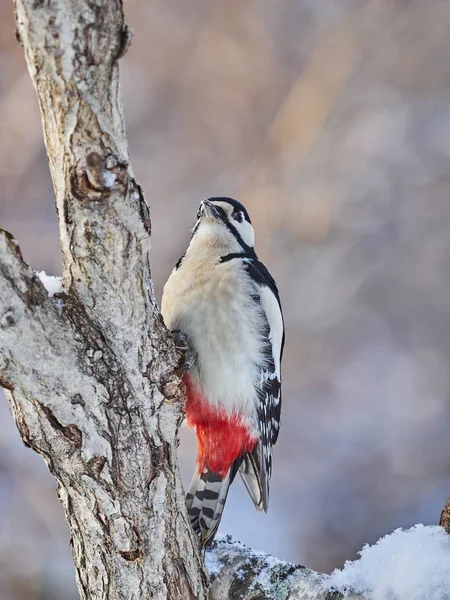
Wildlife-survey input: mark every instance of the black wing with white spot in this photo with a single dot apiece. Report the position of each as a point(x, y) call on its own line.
point(256, 467)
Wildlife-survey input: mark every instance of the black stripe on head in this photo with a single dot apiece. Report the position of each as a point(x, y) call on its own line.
point(224, 217)
point(235, 204)
point(237, 235)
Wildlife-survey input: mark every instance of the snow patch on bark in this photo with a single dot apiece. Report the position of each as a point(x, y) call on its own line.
point(109, 178)
point(52, 284)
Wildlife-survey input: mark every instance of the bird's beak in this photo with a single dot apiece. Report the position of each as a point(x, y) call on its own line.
point(210, 210)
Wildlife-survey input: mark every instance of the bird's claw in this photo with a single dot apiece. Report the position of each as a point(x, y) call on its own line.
point(186, 355)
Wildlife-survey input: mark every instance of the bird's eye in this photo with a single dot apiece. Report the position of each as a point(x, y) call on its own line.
point(238, 216)
point(199, 214)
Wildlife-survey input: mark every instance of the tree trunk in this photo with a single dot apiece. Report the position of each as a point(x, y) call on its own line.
point(90, 372)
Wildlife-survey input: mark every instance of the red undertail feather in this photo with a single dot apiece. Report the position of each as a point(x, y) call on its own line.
point(221, 438)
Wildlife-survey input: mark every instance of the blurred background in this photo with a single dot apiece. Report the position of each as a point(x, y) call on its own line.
point(331, 122)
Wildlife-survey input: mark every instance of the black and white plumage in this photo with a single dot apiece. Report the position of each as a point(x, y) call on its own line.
point(227, 303)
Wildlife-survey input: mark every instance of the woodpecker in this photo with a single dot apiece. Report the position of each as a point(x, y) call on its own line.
point(226, 303)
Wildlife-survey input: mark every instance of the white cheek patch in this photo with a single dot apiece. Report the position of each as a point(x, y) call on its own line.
point(246, 232)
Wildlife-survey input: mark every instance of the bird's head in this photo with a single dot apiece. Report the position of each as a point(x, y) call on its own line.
point(224, 224)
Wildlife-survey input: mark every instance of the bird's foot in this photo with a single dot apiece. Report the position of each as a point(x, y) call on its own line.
point(186, 356)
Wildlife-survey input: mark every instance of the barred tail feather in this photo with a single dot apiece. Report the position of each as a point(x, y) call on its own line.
point(255, 478)
point(205, 501)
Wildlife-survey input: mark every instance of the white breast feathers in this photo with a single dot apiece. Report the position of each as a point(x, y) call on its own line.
point(215, 305)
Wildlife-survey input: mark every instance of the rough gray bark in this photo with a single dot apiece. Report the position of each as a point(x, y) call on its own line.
point(109, 443)
point(90, 372)
point(239, 573)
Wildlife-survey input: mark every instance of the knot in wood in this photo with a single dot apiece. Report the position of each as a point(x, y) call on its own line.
point(98, 177)
point(77, 399)
point(95, 466)
point(7, 319)
point(5, 384)
point(69, 432)
point(131, 555)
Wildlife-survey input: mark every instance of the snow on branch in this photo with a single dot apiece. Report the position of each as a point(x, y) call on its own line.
point(412, 564)
point(240, 572)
